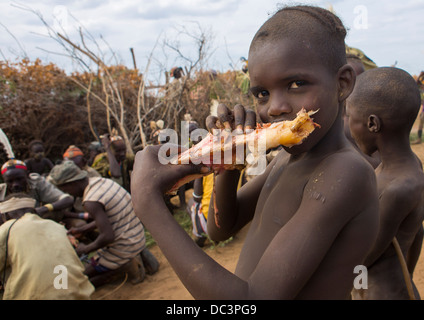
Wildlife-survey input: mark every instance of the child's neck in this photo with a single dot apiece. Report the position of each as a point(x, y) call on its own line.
point(334, 140)
point(395, 152)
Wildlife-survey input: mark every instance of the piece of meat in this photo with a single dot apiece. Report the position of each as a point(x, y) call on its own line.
point(223, 150)
point(226, 150)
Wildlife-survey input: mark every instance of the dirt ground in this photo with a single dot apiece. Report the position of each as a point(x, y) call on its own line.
point(165, 285)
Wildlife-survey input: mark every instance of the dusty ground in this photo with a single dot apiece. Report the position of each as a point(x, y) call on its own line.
point(165, 285)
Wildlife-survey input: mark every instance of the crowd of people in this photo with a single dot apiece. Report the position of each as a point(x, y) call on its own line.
point(70, 214)
point(350, 195)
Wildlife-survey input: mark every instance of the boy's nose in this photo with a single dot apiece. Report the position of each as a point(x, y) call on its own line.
point(279, 107)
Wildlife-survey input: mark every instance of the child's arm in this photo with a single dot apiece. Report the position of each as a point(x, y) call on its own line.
point(106, 233)
point(114, 167)
point(234, 208)
point(48, 163)
point(64, 202)
point(77, 231)
point(293, 255)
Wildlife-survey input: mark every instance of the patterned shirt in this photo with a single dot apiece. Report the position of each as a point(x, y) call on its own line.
point(129, 232)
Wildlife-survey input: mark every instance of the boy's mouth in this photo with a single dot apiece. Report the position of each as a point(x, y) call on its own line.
point(282, 119)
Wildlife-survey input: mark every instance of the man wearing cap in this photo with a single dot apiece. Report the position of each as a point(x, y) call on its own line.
point(37, 265)
point(76, 155)
point(121, 234)
point(50, 201)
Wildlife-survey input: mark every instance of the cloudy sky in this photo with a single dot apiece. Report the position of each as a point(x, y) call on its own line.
point(389, 32)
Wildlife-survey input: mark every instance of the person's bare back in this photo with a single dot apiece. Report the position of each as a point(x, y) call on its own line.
point(381, 119)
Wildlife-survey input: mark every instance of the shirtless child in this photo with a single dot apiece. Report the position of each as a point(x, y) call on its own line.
point(312, 220)
point(38, 163)
point(381, 111)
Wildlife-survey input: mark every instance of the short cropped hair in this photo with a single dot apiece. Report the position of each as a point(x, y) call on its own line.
point(323, 29)
point(390, 93)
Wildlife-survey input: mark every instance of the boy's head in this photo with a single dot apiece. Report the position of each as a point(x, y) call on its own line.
point(94, 149)
point(176, 72)
point(36, 149)
point(297, 60)
point(385, 100)
point(316, 28)
point(356, 63)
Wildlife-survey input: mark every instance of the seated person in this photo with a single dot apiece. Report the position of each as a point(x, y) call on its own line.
point(50, 201)
point(121, 235)
point(38, 163)
point(115, 163)
point(76, 155)
point(94, 149)
point(29, 259)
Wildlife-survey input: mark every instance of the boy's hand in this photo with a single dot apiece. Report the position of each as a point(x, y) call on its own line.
point(81, 249)
point(75, 231)
point(240, 119)
point(41, 210)
point(105, 140)
point(153, 174)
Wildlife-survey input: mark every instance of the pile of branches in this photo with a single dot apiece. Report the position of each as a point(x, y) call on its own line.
point(42, 102)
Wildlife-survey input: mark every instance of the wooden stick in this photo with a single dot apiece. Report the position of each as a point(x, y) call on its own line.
point(405, 271)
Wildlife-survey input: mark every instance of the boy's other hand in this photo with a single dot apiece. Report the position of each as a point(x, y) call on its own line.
point(240, 120)
point(153, 173)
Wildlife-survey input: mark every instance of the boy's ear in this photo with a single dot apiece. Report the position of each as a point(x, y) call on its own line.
point(347, 79)
point(374, 123)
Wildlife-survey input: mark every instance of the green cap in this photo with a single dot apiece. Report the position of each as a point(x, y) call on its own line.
point(66, 172)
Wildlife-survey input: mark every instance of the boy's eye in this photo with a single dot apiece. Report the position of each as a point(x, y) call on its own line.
point(296, 84)
point(262, 94)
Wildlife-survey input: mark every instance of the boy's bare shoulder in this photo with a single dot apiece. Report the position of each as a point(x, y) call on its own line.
point(405, 188)
point(348, 163)
point(346, 180)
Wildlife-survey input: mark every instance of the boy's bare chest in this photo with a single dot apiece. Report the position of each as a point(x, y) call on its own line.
point(281, 196)
point(279, 200)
